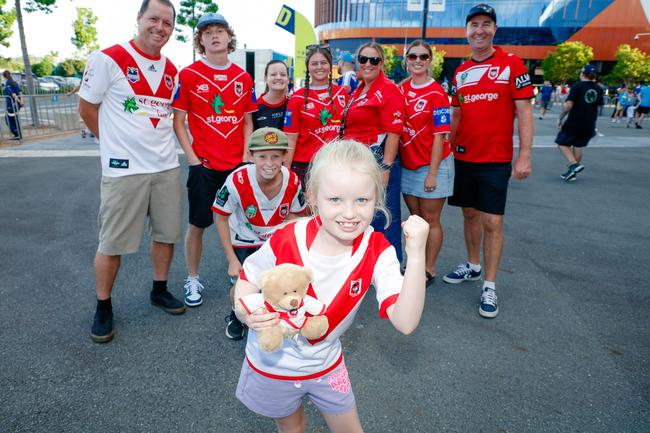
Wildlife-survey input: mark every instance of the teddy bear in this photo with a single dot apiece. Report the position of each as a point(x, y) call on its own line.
point(284, 289)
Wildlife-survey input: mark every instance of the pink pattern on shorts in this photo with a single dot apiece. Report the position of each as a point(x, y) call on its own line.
point(339, 381)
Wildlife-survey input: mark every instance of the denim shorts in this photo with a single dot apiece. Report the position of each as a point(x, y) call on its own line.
point(413, 180)
point(277, 398)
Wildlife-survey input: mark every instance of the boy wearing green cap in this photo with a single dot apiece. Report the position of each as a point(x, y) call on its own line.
point(254, 200)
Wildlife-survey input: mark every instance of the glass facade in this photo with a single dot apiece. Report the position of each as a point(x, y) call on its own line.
point(521, 22)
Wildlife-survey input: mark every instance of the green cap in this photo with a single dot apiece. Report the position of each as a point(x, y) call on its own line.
point(268, 139)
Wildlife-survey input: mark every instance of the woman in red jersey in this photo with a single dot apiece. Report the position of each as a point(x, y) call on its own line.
point(428, 165)
point(314, 113)
point(375, 117)
point(272, 104)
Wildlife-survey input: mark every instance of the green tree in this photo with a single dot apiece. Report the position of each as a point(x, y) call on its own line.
point(188, 16)
point(45, 66)
point(85, 33)
point(436, 62)
point(631, 64)
point(70, 67)
point(31, 6)
point(392, 59)
point(565, 63)
point(7, 19)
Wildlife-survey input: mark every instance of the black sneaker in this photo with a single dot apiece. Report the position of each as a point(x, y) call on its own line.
point(235, 330)
point(102, 330)
point(167, 302)
point(430, 278)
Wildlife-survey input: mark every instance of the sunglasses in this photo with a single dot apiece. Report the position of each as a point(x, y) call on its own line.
point(374, 61)
point(317, 46)
point(414, 57)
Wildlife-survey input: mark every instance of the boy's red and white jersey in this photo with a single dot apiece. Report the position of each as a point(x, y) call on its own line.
point(427, 114)
point(216, 100)
point(253, 216)
point(318, 122)
point(485, 92)
point(340, 282)
point(374, 113)
point(134, 93)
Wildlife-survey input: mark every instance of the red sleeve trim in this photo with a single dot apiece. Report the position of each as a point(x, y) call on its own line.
point(387, 303)
point(241, 301)
point(220, 212)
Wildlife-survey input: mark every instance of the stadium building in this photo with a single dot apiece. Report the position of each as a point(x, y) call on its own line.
point(528, 28)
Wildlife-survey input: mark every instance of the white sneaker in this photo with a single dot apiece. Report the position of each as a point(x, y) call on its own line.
point(193, 292)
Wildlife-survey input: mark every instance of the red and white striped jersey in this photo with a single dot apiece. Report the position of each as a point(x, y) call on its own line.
point(253, 216)
point(134, 93)
point(340, 282)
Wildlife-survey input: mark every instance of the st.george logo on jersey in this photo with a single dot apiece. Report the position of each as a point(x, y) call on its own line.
point(169, 81)
point(132, 74)
point(355, 287)
point(284, 210)
point(419, 106)
point(239, 88)
point(493, 73)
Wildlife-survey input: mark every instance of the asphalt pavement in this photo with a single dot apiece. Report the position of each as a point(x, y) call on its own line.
point(569, 351)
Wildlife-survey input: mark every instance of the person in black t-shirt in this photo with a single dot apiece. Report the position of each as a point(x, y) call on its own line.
point(581, 106)
point(273, 102)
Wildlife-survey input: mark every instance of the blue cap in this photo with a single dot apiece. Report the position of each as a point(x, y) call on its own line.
point(346, 56)
point(211, 18)
point(481, 9)
point(588, 69)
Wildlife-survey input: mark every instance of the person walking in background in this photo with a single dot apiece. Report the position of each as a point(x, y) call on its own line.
point(125, 100)
point(348, 79)
point(643, 107)
point(218, 98)
point(428, 165)
point(314, 113)
point(272, 104)
point(546, 92)
point(375, 117)
point(13, 103)
point(581, 106)
point(489, 90)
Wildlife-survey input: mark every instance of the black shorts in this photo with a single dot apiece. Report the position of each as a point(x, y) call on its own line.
point(545, 104)
point(642, 110)
point(481, 185)
point(242, 253)
point(575, 139)
point(202, 186)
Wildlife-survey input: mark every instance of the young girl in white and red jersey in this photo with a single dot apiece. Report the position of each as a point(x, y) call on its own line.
point(314, 113)
point(346, 256)
point(428, 165)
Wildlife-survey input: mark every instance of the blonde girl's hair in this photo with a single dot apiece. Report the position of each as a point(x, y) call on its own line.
point(346, 153)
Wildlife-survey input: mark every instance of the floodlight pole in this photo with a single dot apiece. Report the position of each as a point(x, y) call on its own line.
point(425, 12)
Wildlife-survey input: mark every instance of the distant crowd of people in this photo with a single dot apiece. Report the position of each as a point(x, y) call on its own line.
point(313, 177)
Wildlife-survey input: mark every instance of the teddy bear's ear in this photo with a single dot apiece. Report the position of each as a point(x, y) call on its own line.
point(308, 274)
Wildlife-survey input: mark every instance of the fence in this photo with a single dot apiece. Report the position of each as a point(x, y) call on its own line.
point(42, 115)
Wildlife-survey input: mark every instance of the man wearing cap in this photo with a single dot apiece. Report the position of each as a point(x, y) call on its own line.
point(581, 106)
point(125, 101)
point(348, 79)
point(255, 200)
point(217, 97)
point(488, 91)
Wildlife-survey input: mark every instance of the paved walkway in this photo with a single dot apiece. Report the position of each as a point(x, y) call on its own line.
point(569, 352)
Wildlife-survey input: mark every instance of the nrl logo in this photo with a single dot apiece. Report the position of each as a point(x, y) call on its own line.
point(251, 211)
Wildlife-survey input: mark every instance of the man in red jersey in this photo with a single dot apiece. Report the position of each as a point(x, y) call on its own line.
point(125, 100)
point(488, 91)
point(217, 97)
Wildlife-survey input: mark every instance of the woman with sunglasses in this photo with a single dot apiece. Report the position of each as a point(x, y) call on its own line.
point(428, 174)
point(375, 116)
point(272, 104)
point(314, 113)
